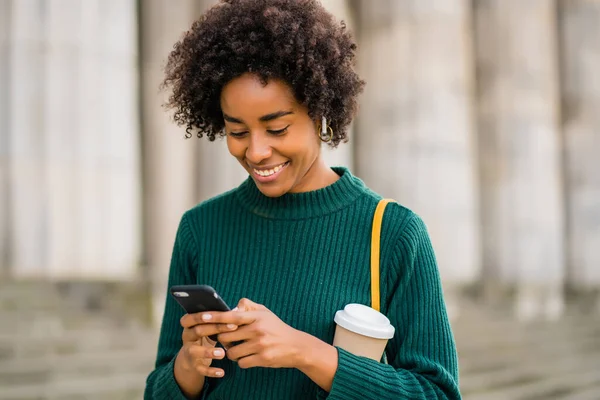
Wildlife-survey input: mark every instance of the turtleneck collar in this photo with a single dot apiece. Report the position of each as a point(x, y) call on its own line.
point(304, 205)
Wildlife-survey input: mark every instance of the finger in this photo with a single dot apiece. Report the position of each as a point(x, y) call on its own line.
point(190, 320)
point(232, 317)
point(248, 305)
point(198, 332)
point(241, 334)
point(242, 350)
point(251, 361)
point(213, 329)
point(207, 341)
point(209, 371)
point(199, 353)
point(189, 335)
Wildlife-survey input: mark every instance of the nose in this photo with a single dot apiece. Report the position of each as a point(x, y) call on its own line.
point(259, 149)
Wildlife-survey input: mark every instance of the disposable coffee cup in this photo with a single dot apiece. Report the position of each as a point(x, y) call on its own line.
point(362, 330)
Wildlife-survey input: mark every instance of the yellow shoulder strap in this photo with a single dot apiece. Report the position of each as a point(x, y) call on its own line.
point(375, 244)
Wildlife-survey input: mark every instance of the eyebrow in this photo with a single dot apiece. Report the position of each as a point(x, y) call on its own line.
point(264, 118)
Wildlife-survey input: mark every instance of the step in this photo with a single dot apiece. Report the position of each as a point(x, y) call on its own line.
point(117, 386)
point(479, 337)
point(125, 300)
point(549, 387)
point(28, 295)
point(495, 359)
point(42, 323)
point(70, 342)
point(526, 367)
point(23, 371)
point(591, 392)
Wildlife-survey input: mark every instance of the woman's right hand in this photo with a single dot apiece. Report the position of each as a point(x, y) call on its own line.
point(198, 349)
point(195, 357)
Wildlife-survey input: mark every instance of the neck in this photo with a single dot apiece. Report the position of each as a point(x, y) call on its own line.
point(330, 198)
point(318, 176)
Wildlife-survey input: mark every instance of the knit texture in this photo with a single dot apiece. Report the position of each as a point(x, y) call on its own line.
point(305, 256)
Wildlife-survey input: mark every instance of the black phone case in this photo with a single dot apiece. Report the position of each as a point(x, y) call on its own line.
point(198, 298)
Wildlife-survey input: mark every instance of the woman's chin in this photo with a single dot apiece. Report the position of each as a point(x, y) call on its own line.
point(272, 190)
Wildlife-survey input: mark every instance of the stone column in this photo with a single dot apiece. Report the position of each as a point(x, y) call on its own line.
point(169, 159)
point(74, 173)
point(580, 27)
point(62, 131)
point(5, 26)
point(415, 126)
point(522, 208)
point(27, 195)
point(91, 139)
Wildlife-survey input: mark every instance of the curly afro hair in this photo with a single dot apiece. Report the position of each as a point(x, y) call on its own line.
point(296, 41)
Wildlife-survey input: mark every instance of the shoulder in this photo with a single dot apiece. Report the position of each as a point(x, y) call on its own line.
point(217, 204)
point(405, 244)
point(403, 231)
point(398, 219)
point(208, 214)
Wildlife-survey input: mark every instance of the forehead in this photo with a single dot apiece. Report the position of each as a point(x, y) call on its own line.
point(247, 95)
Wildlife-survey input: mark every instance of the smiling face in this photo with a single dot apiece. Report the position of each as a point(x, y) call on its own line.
point(272, 136)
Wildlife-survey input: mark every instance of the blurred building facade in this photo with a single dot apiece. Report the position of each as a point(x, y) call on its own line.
point(479, 115)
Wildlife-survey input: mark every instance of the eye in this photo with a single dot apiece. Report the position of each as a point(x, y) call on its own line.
point(238, 134)
point(278, 132)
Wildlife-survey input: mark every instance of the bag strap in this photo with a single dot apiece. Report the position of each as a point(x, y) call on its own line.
point(375, 245)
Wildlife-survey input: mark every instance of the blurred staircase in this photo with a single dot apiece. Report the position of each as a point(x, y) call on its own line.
point(91, 341)
point(502, 359)
point(84, 341)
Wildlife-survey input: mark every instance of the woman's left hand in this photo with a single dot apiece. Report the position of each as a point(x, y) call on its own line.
point(266, 341)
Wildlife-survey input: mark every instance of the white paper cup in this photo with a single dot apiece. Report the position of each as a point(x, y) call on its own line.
point(362, 330)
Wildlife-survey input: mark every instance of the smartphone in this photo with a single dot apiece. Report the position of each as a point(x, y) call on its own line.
point(198, 298)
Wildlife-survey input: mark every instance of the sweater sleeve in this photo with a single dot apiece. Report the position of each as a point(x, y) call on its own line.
point(161, 384)
point(422, 355)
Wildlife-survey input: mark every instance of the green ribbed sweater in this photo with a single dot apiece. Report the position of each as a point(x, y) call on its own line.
point(305, 256)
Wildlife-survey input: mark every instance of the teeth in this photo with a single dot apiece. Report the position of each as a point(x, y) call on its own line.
point(270, 171)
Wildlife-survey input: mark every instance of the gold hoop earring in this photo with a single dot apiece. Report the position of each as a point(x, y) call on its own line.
point(326, 137)
point(325, 131)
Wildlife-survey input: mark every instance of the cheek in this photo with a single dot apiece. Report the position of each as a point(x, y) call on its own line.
point(312, 146)
point(305, 144)
point(236, 148)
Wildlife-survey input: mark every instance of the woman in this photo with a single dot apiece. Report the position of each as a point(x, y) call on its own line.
point(276, 78)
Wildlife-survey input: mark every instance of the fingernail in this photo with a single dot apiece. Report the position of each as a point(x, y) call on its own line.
point(218, 352)
point(230, 326)
point(219, 373)
point(235, 309)
point(206, 317)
